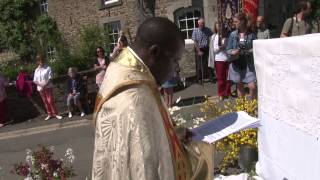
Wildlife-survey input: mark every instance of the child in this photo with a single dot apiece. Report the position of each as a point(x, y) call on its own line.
point(75, 90)
point(42, 78)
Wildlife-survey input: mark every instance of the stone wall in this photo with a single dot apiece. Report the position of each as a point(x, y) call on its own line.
point(72, 15)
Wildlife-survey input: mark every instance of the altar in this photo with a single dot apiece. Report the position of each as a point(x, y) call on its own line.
point(288, 73)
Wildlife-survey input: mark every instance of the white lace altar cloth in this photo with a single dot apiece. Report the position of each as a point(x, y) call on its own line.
point(288, 73)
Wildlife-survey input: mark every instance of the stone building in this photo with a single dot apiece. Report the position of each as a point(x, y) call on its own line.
point(126, 15)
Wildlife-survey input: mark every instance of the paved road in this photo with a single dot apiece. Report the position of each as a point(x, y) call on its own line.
point(74, 133)
point(80, 139)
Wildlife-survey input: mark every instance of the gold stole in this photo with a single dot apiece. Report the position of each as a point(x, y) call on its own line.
point(182, 168)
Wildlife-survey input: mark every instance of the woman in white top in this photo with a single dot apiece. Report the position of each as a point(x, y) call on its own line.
point(218, 60)
point(42, 78)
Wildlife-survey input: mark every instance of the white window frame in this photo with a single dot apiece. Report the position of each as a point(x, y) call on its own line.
point(44, 6)
point(114, 33)
point(185, 20)
point(107, 2)
point(51, 53)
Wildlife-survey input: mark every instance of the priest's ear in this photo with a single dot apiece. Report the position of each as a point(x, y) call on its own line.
point(154, 51)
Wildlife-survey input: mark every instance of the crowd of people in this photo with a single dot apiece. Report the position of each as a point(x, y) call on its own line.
point(42, 80)
point(222, 57)
point(230, 55)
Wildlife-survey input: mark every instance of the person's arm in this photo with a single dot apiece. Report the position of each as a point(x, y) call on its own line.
point(36, 78)
point(231, 50)
point(50, 76)
point(216, 47)
point(196, 45)
point(286, 28)
point(268, 34)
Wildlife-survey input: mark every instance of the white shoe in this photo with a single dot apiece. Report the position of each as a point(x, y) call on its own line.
point(47, 118)
point(58, 117)
point(70, 115)
point(82, 114)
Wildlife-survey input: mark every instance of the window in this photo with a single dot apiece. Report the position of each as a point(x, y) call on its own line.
point(44, 6)
point(51, 53)
point(113, 29)
point(110, 3)
point(186, 19)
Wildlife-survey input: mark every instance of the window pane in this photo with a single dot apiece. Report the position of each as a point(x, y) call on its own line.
point(182, 24)
point(189, 34)
point(113, 29)
point(189, 14)
point(190, 24)
point(197, 13)
point(185, 34)
point(187, 20)
point(181, 17)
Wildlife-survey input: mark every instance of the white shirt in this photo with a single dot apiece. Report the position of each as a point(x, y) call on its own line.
point(43, 75)
point(220, 55)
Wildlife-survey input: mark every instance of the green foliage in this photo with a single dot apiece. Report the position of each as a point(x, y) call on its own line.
point(91, 37)
point(10, 65)
point(17, 19)
point(316, 8)
point(24, 31)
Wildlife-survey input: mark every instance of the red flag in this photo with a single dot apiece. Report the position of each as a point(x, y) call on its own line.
point(251, 7)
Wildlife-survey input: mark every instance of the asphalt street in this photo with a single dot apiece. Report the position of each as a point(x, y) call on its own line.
point(74, 133)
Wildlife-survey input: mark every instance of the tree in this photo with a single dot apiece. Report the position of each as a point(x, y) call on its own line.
point(17, 18)
point(316, 8)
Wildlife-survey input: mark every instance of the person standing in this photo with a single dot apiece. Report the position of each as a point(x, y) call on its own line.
point(43, 79)
point(75, 90)
point(298, 24)
point(134, 137)
point(3, 84)
point(201, 37)
point(262, 31)
point(218, 58)
point(100, 65)
point(239, 49)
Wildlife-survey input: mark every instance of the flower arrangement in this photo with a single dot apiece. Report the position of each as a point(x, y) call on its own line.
point(41, 165)
point(231, 144)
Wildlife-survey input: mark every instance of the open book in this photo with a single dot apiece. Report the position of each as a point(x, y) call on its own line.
point(218, 128)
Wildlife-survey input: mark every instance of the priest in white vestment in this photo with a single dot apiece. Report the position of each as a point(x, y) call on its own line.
point(135, 139)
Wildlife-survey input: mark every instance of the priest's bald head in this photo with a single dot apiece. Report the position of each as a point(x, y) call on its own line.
point(160, 44)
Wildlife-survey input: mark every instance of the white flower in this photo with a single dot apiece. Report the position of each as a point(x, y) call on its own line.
point(28, 178)
point(51, 148)
point(28, 151)
point(69, 155)
point(55, 174)
point(37, 177)
point(44, 166)
point(29, 159)
point(178, 100)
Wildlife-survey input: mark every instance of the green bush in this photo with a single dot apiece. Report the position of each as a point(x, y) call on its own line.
point(91, 37)
point(12, 67)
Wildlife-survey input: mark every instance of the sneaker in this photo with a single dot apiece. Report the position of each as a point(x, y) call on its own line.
point(82, 114)
point(47, 118)
point(58, 117)
point(70, 115)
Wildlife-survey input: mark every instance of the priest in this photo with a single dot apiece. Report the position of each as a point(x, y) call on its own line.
point(135, 138)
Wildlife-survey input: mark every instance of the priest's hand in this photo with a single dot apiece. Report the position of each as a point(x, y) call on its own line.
point(184, 134)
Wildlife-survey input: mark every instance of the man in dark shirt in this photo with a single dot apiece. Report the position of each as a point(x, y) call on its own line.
point(201, 37)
